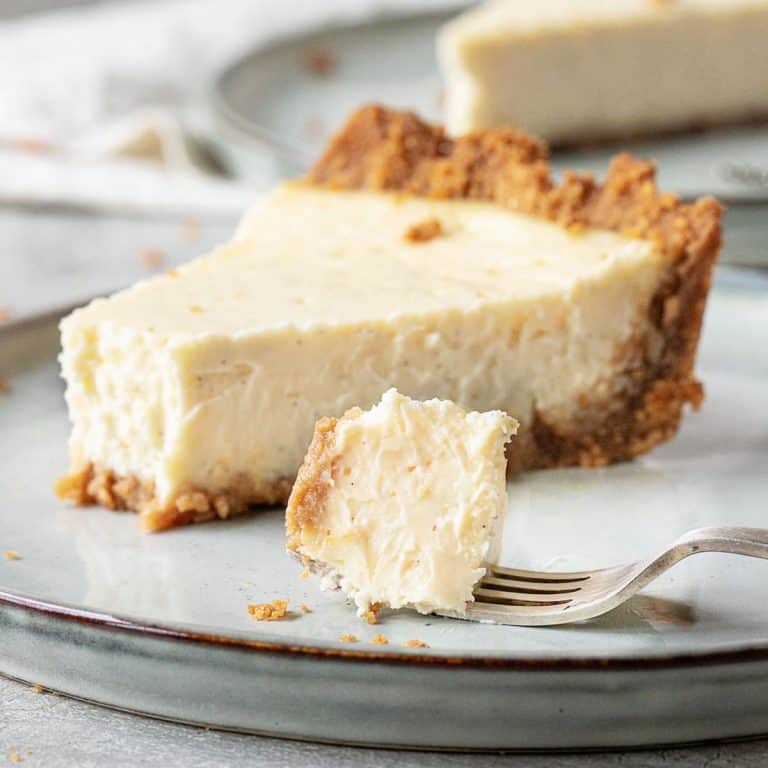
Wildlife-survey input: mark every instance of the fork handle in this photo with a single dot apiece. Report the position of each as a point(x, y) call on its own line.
point(752, 542)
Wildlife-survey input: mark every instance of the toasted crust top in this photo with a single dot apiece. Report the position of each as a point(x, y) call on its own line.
point(388, 150)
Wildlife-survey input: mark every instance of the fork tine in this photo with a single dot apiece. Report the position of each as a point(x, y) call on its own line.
point(532, 587)
point(540, 577)
point(500, 597)
point(522, 615)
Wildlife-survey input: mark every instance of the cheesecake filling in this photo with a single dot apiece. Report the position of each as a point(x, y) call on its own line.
point(575, 70)
point(404, 505)
point(212, 378)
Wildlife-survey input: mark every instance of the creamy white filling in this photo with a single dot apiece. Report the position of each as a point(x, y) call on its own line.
point(571, 69)
point(416, 505)
point(221, 371)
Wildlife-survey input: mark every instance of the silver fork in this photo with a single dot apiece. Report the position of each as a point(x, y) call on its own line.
point(540, 598)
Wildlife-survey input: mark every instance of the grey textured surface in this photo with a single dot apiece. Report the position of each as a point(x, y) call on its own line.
point(45, 729)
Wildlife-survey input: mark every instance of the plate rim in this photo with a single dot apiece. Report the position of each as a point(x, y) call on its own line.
point(68, 613)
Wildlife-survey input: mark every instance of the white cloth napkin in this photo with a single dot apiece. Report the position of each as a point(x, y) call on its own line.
point(100, 104)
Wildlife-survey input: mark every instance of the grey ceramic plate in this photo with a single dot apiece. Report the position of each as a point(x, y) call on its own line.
point(158, 624)
point(275, 114)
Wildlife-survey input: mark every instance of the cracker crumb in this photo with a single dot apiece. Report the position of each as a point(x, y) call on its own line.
point(305, 573)
point(15, 757)
point(305, 608)
point(321, 62)
point(12, 554)
point(5, 314)
point(36, 688)
point(273, 611)
point(190, 230)
point(347, 639)
point(424, 231)
point(171, 272)
point(5, 387)
point(416, 644)
point(379, 640)
point(372, 614)
point(151, 259)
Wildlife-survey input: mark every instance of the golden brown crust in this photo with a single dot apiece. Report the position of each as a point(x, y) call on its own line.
point(307, 500)
point(385, 150)
point(94, 485)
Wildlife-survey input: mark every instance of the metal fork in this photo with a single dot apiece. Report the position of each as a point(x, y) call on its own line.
point(541, 598)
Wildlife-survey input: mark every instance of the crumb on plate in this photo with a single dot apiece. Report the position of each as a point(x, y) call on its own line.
point(12, 554)
point(379, 640)
point(347, 639)
point(321, 62)
point(305, 608)
point(372, 614)
point(273, 611)
point(151, 259)
point(190, 230)
point(416, 644)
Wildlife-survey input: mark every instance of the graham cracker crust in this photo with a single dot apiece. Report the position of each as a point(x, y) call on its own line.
point(390, 151)
point(307, 500)
point(94, 485)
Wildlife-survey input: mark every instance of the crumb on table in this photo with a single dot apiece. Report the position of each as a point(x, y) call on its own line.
point(273, 611)
point(347, 639)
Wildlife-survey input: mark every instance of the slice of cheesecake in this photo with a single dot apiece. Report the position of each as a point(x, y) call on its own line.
point(402, 505)
point(450, 269)
point(575, 71)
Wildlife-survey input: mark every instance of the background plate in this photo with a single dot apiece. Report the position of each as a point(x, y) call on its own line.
point(275, 114)
point(158, 624)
